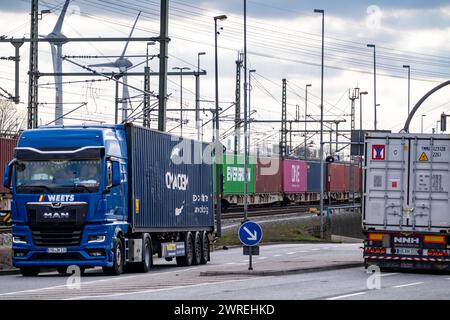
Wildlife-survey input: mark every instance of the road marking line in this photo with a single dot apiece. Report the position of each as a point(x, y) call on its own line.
point(408, 285)
point(315, 249)
point(262, 258)
point(347, 296)
point(276, 255)
point(387, 274)
point(94, 281)
point(154, 290)
point(232, 263)
point(291, 253)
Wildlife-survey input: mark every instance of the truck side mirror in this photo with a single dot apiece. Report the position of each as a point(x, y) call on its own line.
point(443, 122)
point(116, 176)
point(7, 176)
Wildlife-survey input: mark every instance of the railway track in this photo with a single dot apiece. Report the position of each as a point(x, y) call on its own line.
point(261, 212)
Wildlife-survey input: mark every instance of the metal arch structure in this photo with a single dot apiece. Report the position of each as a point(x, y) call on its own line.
point(418, 104)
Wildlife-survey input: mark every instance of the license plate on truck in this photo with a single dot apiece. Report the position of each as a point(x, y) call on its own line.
point(56, 250)
point(406, 251)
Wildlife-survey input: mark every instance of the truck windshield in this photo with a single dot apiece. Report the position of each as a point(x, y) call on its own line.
point(58, 176)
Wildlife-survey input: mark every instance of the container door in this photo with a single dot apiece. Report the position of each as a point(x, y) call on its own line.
point(429, 192)
point(386, 182)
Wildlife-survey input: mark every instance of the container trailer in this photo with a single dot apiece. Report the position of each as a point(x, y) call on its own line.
point(406, 211)
point(109, 196)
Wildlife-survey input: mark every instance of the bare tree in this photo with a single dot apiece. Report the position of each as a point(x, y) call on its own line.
point(12, 121)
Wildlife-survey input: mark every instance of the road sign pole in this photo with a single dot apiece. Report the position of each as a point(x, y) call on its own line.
point(250, 256)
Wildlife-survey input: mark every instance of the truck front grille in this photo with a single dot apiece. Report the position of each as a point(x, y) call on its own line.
point(57, 238)
point(57, 256)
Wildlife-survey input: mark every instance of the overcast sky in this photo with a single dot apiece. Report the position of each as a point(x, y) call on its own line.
point(283, 42)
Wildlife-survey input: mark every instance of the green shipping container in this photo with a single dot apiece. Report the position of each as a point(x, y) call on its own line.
point(232, 172)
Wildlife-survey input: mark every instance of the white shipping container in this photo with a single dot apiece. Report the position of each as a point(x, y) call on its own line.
point(406, 182)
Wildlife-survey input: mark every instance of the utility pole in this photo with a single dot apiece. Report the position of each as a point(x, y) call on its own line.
point(197, 95)
point(181, 95)
point(306, 117)
point(249, 101)
point(32, 73)
point(322, 169)
point(283, 138)
point(163, 55)
point(374, 83)
point(409, 87)
point(237, 114)
point(216, 128)
point(146, 113)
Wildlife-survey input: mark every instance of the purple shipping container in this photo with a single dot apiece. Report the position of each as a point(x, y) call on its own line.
point(294, 176)
point(6, 155)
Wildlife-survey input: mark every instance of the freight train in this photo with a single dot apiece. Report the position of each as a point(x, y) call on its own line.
point(7, 146)
point(275, 181)
point(272, 181)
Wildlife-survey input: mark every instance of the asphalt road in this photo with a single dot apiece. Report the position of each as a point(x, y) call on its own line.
point(169, 282)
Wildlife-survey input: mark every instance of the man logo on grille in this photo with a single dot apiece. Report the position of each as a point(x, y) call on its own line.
point(378, 152)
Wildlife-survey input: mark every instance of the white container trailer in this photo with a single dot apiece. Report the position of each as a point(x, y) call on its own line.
point(406, 207)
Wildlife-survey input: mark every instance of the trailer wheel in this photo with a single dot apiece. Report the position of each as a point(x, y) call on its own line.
point(205, 249)
point(30, 271)
point(117, 267)
point(197, 249)
point(147, 256)
point(187, 259)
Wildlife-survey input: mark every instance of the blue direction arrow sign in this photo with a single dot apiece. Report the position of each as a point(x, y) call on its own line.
point(250, 233)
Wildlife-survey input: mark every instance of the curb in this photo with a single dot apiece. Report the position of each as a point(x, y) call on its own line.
point(9, 272)
point(282, 272)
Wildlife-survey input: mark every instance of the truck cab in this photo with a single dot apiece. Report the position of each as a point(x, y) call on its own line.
point(69, 187)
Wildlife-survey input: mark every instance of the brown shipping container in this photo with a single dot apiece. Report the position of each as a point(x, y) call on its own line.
point(6, 155)
point(337, 179)
point(268, 177)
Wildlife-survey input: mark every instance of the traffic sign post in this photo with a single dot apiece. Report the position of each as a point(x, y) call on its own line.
point(250, 234)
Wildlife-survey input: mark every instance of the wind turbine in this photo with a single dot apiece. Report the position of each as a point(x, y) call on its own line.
point(56, 46)
point(123, 64)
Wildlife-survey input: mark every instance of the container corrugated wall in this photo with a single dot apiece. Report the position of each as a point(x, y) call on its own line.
point(337, 179)
point(314, 177)
point(6, 155)
point(294, 176)
point(232, 171)
point(268, 177)
point(166, 195)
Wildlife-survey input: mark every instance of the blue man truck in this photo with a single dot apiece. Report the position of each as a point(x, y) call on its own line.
point(109, 196)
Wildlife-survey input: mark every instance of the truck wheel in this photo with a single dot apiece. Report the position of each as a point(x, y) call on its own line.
point(147, 256)
point(117, 267)
point(205, 249)
point(197, 249)
point(186, 260)
point(29, 271)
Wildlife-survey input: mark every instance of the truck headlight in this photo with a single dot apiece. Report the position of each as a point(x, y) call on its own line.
point(97, 239)
point(19, 240)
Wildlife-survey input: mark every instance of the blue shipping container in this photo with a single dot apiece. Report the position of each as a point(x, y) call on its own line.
point(314, 177)
point(166, 195)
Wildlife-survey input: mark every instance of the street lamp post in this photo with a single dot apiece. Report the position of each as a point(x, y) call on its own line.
point(421, 123)
point(306, 117)
point(181, 95)
point(409, 87)
point(361, 94)
point(322, 173)
point(197, 95)
point(216, 125)
point(374, 82)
